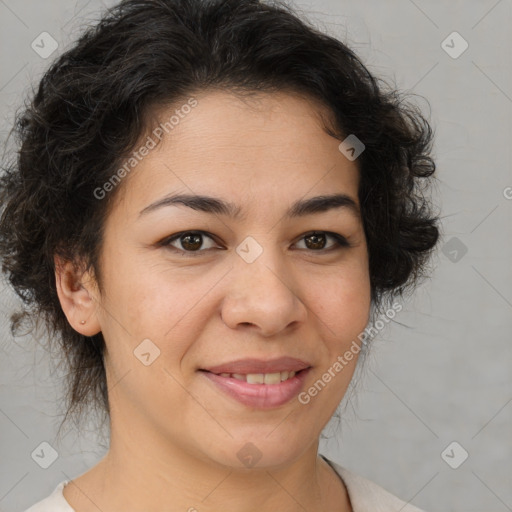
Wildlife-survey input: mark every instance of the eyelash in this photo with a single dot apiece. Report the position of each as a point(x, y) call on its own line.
point(340, 242)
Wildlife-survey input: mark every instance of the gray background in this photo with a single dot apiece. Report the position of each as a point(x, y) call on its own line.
point(442, 372)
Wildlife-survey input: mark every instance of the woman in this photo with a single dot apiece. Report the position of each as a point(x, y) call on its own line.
point(211, 202)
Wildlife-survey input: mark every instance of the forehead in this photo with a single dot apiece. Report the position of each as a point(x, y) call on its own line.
point(268, 149)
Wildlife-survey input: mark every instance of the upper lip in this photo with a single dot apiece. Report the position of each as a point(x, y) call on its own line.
point(245, 366)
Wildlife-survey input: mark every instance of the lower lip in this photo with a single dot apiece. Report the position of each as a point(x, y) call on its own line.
point(261, 396)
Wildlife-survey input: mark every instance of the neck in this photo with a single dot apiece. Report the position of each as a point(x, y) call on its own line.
point(137, 474)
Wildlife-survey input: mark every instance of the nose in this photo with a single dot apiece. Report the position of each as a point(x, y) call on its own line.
point(261, 296)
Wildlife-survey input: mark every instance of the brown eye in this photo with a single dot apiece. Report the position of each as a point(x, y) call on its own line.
point(191, 242)
point(317, 240)
point(188, 242)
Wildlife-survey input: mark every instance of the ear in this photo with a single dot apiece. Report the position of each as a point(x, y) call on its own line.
point(78, 296)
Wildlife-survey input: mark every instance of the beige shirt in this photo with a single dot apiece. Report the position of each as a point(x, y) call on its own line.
point(365, 496)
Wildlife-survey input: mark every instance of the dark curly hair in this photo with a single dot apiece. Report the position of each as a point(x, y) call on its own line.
point(94, 103)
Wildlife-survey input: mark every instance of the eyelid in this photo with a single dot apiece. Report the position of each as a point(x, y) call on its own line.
point(341, 242)
point(166, 242)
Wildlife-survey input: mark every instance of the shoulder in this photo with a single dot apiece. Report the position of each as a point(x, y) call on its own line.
point(55, 502)
point(366, 495)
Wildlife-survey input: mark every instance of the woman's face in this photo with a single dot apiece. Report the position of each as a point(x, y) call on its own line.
point(256, 286)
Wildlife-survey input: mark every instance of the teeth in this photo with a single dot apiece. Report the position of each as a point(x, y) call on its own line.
point(255, 378)
point(261, 378)
point(272, 378)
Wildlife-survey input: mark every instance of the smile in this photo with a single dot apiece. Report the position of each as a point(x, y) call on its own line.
point(261, 378)
point(259, 390)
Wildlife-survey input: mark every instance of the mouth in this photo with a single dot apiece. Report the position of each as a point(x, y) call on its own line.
point(261, 390)
point(260, 378)
point(253, 366)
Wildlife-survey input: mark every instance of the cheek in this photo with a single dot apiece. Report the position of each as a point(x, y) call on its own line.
point(157, 302)
point(341, 300)
point(148, 330)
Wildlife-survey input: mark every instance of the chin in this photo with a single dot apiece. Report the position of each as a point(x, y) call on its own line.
point(258, 452)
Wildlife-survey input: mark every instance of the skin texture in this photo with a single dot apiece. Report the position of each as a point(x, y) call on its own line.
point(174, 435)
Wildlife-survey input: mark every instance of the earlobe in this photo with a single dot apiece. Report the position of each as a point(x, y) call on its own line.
point(78, 297)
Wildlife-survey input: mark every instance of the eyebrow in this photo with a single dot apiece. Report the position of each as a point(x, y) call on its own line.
point(213, 205)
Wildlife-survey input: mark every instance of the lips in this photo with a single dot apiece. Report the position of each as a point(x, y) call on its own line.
point(259, 395)
point(258, 383)
point(259, 366)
